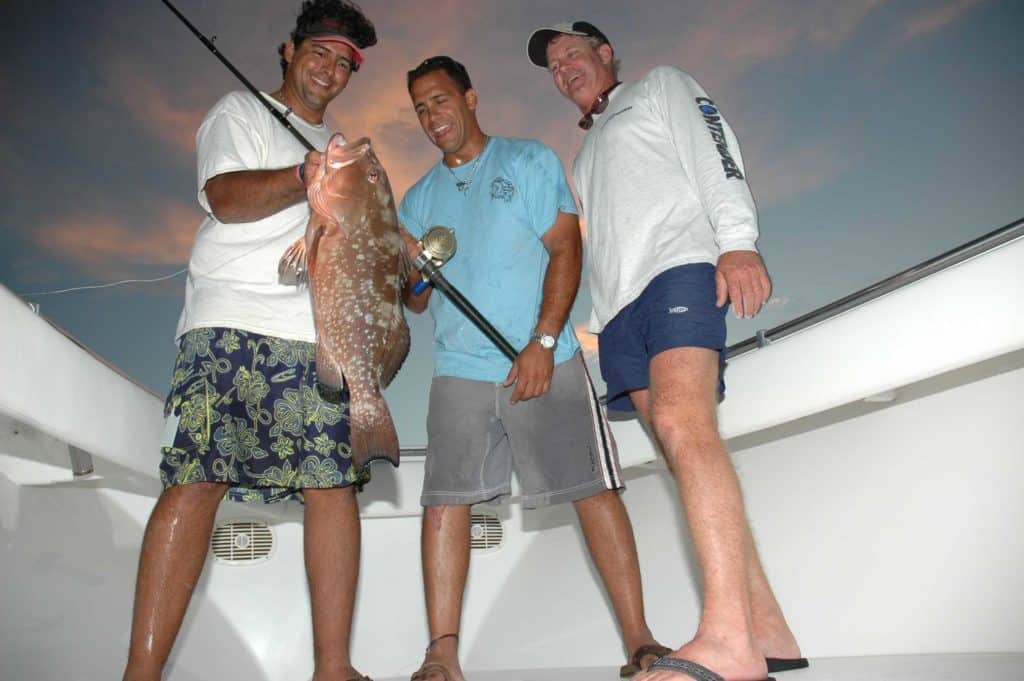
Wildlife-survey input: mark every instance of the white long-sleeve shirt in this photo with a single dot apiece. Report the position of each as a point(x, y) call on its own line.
point(662, 184)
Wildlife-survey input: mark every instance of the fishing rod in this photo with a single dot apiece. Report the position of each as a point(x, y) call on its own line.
point(438, 246)
point(426, 267)
point(282, 119)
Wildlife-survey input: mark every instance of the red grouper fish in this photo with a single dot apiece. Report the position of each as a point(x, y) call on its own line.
point(356, 266)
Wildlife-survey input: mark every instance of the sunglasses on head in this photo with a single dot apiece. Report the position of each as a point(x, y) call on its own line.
point(597, 108)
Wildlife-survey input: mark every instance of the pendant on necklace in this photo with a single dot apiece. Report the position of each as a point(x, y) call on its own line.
point(462, 186)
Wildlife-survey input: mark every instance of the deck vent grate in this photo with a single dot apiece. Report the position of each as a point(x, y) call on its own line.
point(485, 532)
point(242, 542)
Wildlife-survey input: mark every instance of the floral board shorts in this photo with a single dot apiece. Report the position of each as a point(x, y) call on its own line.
point(245, 410)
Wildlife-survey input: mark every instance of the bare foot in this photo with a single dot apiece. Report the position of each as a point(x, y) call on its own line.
point(733, 663)
point(777, 641)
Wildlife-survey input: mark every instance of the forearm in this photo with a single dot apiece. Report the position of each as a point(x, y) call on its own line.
point(561, 283)
point(249, 195)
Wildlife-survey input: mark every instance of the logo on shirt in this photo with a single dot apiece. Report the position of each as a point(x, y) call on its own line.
point(714, 121)
point(502, 189)
point(678, 309)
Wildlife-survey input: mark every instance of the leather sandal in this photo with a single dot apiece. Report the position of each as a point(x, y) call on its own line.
point(429, 668)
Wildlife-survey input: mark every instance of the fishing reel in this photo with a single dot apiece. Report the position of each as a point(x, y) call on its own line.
point(437, 246)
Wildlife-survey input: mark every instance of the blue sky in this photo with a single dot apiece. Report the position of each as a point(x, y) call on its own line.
point(875, 134)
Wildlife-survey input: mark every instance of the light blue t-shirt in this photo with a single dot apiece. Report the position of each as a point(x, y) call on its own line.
point(514, 197)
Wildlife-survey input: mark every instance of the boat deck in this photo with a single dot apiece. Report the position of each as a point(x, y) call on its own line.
point(991, 667)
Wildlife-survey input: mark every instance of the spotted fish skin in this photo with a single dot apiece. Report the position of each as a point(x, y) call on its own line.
point(357, 268)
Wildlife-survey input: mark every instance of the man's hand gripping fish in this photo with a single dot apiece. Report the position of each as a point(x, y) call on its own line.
point(356, 266)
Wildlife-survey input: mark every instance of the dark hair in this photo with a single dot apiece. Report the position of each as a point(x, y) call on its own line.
point(454, 69)
point(343, 12)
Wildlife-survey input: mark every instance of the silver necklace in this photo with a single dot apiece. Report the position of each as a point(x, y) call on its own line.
point(464, 185)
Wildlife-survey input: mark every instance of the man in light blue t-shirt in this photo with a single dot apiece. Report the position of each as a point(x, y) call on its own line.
point(518, 261)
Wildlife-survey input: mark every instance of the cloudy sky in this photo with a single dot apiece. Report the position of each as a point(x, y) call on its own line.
point(876, 134)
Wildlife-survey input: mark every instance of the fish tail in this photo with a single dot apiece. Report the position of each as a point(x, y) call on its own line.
point(373, 434)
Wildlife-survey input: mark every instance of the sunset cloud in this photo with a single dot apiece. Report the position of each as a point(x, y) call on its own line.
point(728, 39)
point(101, 244)
point(937, 18)
point(151, 106)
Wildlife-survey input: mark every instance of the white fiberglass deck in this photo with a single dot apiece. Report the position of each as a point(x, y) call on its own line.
point(973, 667)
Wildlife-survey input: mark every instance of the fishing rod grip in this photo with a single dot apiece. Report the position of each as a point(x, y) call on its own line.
point(427, 267)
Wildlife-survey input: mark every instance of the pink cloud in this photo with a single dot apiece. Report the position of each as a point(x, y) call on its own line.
point(937, 18)
point(729, 38)
point(111, 246)
point(152, 106)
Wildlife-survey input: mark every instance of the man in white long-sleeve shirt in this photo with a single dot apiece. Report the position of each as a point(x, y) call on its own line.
point(671, 232)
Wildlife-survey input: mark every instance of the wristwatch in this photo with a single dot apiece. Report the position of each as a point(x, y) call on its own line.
point(547, 341)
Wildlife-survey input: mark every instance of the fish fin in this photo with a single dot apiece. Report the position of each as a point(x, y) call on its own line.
point(373, 438)
point(291, 268)
point(312, 239)
point(397, 345)
point(328, 370)
point(405, 268)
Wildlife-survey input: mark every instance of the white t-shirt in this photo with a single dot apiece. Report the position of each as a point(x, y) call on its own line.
point(232, 272)
point(662, 184)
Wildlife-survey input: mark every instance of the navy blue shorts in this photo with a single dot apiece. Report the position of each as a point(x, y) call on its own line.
point(676, 310)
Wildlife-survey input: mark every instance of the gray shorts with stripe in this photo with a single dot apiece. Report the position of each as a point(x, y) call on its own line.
point(558, 444)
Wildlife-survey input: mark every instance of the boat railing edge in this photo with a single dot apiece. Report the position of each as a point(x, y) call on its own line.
point(92, 353)
point(971, 249)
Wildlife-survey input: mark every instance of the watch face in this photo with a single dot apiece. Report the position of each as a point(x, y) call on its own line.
point(546, 341)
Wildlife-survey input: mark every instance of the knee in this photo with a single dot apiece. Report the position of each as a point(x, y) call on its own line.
point(683, 430)
point(329, 496)
point(194, 494)
point(435, 517)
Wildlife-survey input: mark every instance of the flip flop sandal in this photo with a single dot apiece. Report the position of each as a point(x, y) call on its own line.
point(688, 668)
point(785, 664)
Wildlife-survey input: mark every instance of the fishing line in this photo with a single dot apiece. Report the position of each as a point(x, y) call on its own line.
point(107, 285)
point(202, 275)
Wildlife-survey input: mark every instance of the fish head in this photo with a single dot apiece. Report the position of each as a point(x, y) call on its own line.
point(347, 181)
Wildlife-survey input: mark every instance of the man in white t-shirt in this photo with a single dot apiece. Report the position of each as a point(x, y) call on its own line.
point(671, 228)
point(245, 418)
